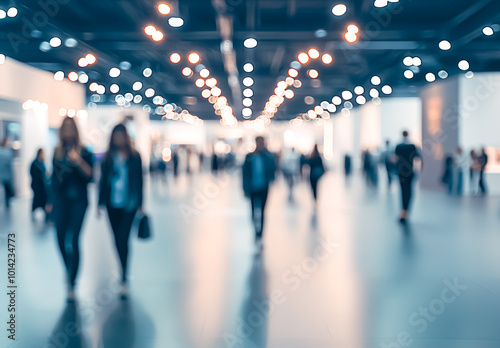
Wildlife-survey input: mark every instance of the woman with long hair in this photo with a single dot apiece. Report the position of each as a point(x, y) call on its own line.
point(120, 191)
point(72, 171)
point(317, 170)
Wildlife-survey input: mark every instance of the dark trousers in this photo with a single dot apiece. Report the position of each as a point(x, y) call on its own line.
point(388, 168)
point(8, 191)
point(68, 215)
point(258, 200)
point(314, 186)
point(482, 184)
point(406, 189)
point(121, 223)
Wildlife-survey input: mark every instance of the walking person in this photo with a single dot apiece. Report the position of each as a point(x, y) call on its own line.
point(121, 192)
point(258, 173)
point(6, 157)
point(406, 153)
point(68, 198)
point(483, 162)
point(39, 183)
point(317, 170)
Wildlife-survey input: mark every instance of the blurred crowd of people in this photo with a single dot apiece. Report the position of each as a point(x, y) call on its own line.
point(63, 194)
point(456, 167)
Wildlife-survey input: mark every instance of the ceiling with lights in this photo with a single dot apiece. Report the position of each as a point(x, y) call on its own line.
point(235, 60)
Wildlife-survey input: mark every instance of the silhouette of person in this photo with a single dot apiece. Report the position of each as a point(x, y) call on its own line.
point(347, 165)
point(68, 198)
point(258, 173)
point(39, 182)
point(290, 165)
point(406, 153)
point(459, 166)
point(317, 170)
point(121, 191)
point(483, 161)
point(388, 161)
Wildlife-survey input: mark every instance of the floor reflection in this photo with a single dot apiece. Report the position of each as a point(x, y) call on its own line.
point(68, 331)
point(127, 326)
point(256, 309)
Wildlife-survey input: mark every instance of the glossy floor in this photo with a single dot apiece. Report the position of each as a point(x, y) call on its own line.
point(349, 276)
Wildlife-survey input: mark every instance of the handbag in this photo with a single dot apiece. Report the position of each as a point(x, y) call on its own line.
point(144, 231)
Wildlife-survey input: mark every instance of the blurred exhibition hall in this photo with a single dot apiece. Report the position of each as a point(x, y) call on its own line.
point(249, 173)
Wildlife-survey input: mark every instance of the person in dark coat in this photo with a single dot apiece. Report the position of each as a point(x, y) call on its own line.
point(258, 172)
point(121, 191)
point(39, 181)
point(68, 198)
point(406, 153)
point(317, 170)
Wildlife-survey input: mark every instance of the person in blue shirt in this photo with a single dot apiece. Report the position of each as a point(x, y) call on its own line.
point(258, 173)
point(121, 191)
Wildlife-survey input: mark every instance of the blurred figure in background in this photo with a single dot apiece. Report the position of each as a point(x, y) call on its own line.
point(347, 165)
point(474, 170)
point(121, 191)
point(317, 170)
point(201, 160)
point(258, 173)
point(459, 166)
point(215, 163)
point(388, 161)
point(406, 153)
point(39, 182)
point(290, 166)
point(6, 157)
point(447, 178)
point(302, 162)
point(68, 198)
point(483, 162)
point(370, 168)
point(175, 162)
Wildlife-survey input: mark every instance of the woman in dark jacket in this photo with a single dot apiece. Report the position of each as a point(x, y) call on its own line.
point(317, 170)
point(72, 171)
point(121, 191)
point(38, 174)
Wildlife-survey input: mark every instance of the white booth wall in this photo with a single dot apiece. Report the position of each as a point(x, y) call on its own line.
point(21, 82)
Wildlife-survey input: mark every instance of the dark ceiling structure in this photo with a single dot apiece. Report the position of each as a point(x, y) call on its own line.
point(113, 30)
